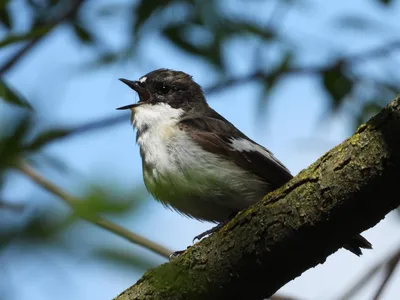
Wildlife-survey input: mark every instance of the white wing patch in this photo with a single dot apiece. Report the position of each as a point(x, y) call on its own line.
point(143, 79)
point(246, 145)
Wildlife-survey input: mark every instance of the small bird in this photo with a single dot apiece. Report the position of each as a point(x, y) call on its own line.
point(194, 160)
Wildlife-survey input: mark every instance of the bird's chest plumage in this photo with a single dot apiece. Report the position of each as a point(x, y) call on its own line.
point(180, 174)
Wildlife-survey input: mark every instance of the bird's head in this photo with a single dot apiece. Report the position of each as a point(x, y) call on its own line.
point(174, 88)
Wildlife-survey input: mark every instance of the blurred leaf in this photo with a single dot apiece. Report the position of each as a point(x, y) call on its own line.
point(43, 4)
point(370, 109)
point(83, 34)
point(125, 259)
point(103, 60)
point(10, 96)
point(16, 38)
point(46, 137)
point(3, 3)
point(211, 53)
point(11, 142)
point(175, 33)
point(44, 228)
point(385, 2)
point(105, 200)
point(337, 84)
point(240, 27)
point(270, 80)
point(146, 8)
point(5, 18)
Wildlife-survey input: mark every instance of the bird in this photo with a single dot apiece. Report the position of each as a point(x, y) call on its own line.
point(194, 160)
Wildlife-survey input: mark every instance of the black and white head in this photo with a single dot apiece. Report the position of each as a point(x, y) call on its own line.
point(167, 87)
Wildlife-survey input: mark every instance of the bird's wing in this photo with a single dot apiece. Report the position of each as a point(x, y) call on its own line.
point(215, 134)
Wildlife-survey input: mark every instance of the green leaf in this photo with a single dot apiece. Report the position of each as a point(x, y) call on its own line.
point(385, 2)
point(145, 9)
point(11, 142)
point(106, 200)
point(230, 28)
point(337, 84)
point(5, 18)
point(16, 38)
point(177, 35)
point(83, 34)
point(10, 96)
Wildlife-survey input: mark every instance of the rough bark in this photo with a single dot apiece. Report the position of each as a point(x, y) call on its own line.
point(348, 190)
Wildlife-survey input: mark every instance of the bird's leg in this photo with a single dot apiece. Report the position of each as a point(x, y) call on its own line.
point(201, 235)
point(175, 254)
point(214, 229)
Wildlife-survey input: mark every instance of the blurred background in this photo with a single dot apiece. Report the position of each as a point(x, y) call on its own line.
point(296, 76)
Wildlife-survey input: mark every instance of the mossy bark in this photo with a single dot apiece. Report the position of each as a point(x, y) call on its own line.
point(348, 190)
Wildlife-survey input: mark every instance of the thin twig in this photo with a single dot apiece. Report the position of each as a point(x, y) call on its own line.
point(32, 43)
point(390, 268)
point(379, 51)
point(14, 207)
point(367, 277)
point(17, 56)
point(105, 224)
point(308, 70)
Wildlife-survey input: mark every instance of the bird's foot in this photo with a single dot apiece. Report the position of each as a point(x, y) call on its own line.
point(209, 231)
point(175, 254)
point(214, 229)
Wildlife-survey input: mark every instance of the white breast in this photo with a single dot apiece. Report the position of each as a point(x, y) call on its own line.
point(156, 124)
point(179, 173)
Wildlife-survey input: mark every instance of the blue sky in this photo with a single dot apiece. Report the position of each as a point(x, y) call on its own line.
point(294, 127)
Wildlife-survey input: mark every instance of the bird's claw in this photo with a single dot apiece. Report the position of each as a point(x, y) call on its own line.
point(209, 231)
point(175, 254)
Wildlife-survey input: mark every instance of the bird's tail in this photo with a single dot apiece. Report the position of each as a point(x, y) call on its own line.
point(356, 244)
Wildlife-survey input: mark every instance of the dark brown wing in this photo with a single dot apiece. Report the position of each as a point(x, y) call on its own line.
point(215, 134)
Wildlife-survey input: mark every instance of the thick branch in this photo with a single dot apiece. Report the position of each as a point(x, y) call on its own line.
point(348, 190)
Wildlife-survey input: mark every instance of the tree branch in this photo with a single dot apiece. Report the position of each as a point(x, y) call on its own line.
point(363, 280)
point(390, 268)
point(380, 51)
point(348, 190)
point(74, 7)
point(105, 224)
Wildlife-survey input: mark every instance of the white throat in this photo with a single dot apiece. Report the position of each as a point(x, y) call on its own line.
point(148, 115)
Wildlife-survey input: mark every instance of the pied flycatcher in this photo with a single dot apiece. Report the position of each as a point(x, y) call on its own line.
point(194, 160)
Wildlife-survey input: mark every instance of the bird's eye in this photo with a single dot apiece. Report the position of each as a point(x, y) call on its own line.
point(165, 89)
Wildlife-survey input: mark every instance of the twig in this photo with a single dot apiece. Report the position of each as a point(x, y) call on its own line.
point(105, 224)
point(53, 24)
point(14, 207)
point(307, 70)
point(114, 120)
point(17, 56)
point(390, 267)
point(373, 53)
point(367, 277)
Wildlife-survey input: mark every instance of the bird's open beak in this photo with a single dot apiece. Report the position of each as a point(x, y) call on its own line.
point(144, 95)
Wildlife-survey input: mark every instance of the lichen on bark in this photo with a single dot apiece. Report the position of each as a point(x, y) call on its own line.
point(348, 190)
